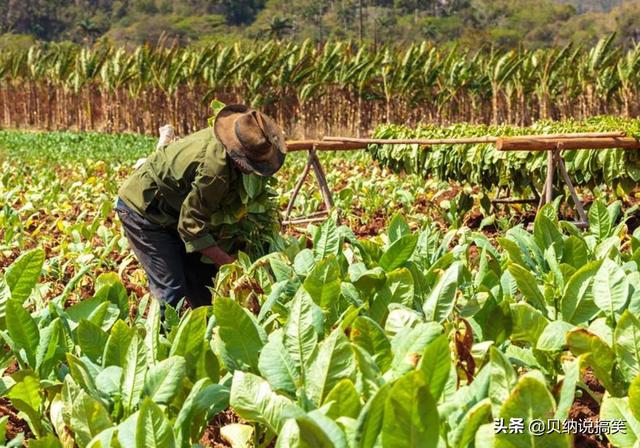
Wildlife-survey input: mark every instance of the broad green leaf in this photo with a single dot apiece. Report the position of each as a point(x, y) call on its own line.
point(252, 184)
point(253, 399)
point(51, 348)
point(164, 380)
point(528, 286)
point(238, 435)
point(91, 339)
point(133, 374)
point(49, 441)
point(277, 366)
point(399, 318)
point(208, 365)
point(88, 418)
point(242, 336)
point(21, 277)
point(398, 228)
point(108, 380)
point(410, 414)
point(465, 433)
point(152, 336)
point(106, 438)
point(547, 234)
point(610, 287)
point(23, 330)
point(323, 282)
point(191, 332)
point(502, 378)
point(332, 362)
point(366, 279)
point(303, 432)
point(344, 400)
point(634, 397)
point(26, 396)
point(82, 374)
point(300, 336)
point(127, 431)
point(530, 399)
point(117, 346)
point(599, 221)
point(203, 402)
point(618, 409)
point(435, 365)
point(597, 354)
point(577, 302)
point(304, 262)
point(400, 284)
point(368, 375)
point(370, 420)
point(627, 345)
point(441, 300)
point(333, 431)
point(512, 249)
point(327, 241)
point(528, 323)
point(568, 390)
point(153, 428)
point(409, 344)
point(398, 252)
point(367, 334)
point(552, 338)
point(109, 287)
point(575, 252)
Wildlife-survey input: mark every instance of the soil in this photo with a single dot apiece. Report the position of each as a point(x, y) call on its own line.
point(586, 408)
point(212, 438)
point(15, 425)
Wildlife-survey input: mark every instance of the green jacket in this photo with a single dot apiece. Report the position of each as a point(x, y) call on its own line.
point(182, 185)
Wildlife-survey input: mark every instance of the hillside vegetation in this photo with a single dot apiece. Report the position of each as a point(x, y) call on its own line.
point(471, 23)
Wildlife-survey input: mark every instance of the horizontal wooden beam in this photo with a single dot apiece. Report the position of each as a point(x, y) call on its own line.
point(468, 140)
point(539, 144)
point(548, 142)
point(307, 145)
point(412, 141)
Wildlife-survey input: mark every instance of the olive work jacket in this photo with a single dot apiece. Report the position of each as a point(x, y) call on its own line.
point(182, 185)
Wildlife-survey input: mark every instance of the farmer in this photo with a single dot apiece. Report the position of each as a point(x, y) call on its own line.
point(165, 206)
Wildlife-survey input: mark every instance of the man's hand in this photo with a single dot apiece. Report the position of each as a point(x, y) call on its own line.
point(217, 255)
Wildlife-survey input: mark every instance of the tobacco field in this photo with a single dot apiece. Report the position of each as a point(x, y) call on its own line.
point(312, 89)
point(418, 316)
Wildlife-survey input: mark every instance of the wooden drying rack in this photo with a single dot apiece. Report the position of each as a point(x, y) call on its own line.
point(554, 144)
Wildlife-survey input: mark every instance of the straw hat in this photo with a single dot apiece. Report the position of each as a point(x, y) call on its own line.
point(253, 140)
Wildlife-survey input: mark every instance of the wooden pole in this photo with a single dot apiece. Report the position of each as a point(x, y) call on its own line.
point(296, 189)
point(532, 144)
point(574, 195)
point(410, 141)
point(550, 174)
point(471, 140)
point(325, 191)
point(307, 145)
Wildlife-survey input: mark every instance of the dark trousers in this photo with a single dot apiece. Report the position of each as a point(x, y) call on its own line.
point(173, 273)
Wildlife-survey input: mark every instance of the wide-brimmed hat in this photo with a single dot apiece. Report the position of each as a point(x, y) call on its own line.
point(253, 140)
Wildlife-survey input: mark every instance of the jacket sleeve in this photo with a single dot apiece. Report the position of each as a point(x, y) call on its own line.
point(207, 190)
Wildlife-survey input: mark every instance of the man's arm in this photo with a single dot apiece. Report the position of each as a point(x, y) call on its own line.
point(203, 200)
point(217, 255)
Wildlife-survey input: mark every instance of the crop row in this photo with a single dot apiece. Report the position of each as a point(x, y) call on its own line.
point(325, 88)
point(409, 336)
